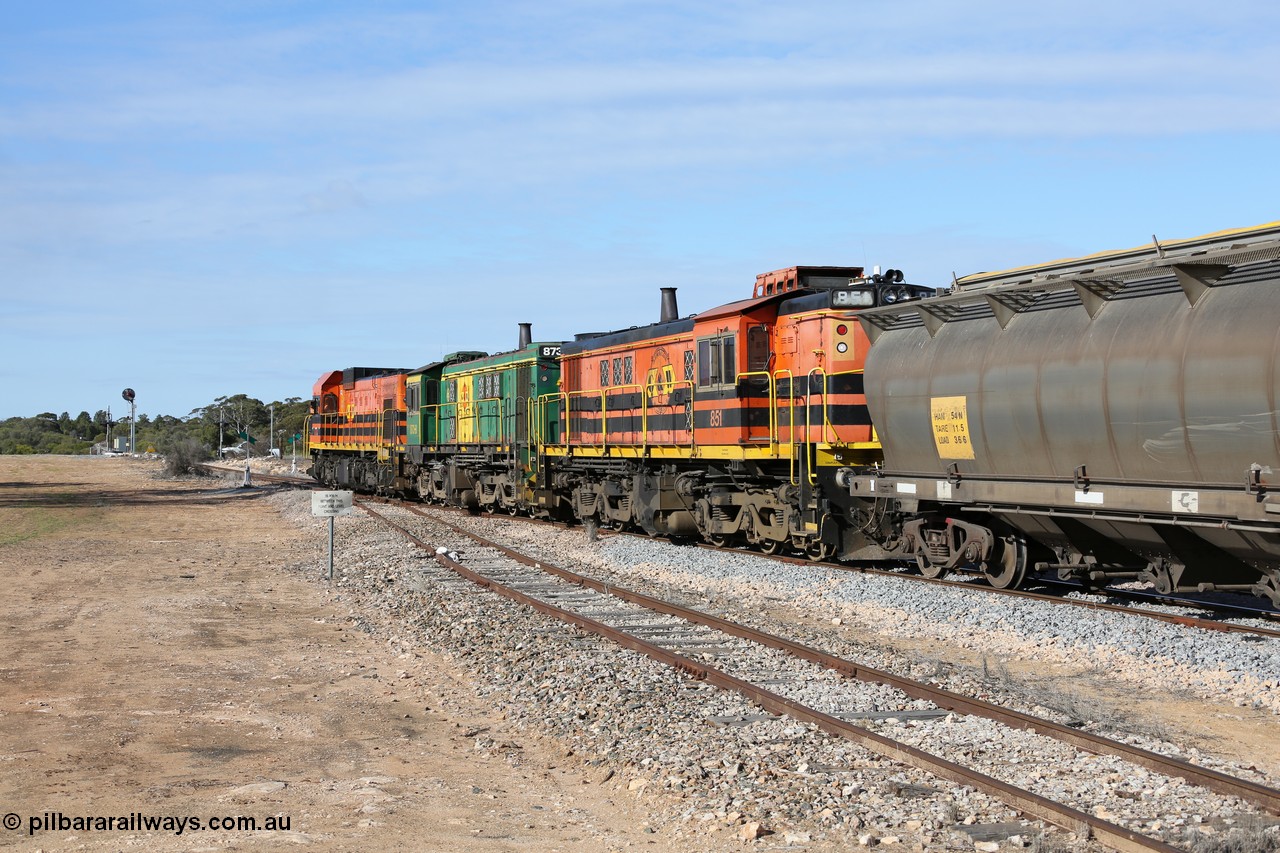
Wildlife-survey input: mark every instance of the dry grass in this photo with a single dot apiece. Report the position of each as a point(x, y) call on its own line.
point(183, 456)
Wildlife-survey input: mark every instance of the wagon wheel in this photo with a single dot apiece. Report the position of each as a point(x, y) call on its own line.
point(818, 551)
point(717, 539)
point(771, 546)
point(1007, 567)
point(928, 569)
point(1162, 577)
point(1269, 586)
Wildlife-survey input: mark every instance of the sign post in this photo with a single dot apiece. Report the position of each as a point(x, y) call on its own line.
point(331, 504)
point(244, 433)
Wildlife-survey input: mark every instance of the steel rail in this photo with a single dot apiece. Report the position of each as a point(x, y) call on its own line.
point(1267, 798)
point(1082, 824)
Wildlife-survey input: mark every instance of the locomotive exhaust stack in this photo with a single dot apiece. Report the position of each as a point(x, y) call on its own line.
point(526, 335)
point(670, 312)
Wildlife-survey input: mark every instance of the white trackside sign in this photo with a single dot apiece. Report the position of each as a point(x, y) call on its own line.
point(330, 503)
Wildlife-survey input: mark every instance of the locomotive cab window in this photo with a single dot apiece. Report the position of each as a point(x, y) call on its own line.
point(757, 348)
point(717, 363)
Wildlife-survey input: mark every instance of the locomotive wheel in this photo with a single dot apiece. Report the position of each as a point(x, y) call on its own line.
point(717, 540)
point(1008, 566)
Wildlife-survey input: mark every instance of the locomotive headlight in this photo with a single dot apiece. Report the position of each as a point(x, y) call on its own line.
point(890, 297)
point(842, 347)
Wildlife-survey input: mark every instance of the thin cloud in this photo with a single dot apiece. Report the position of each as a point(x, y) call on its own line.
point(262, 163)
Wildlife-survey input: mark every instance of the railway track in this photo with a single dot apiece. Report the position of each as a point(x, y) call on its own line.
point(977, 588)
point(686, 639)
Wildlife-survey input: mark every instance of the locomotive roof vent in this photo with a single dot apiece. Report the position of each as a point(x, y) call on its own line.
point(805, 278)
point(670, 312)
point(526, 335)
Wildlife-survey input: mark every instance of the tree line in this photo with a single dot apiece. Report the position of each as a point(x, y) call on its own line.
point(225, 418)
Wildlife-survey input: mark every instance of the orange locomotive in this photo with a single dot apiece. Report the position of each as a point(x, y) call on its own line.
point(357, 426)
point(729, 424)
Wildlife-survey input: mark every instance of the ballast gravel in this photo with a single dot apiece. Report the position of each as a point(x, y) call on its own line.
point(710, 761)
point(1242, 669)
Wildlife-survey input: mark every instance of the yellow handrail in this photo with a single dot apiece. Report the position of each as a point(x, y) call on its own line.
point(563, 419)
point(568, 397)
point(773, 406)
point(791, 421)
point(604, 404)
point(808, 420)
point(693, 441)
point(474, 416)
point(828, 429)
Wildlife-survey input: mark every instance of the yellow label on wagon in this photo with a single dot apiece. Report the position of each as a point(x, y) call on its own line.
point(950, 419)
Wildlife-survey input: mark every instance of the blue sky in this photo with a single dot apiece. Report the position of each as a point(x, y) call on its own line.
point(197, 202)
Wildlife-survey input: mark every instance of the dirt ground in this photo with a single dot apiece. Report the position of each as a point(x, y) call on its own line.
point(157, 662)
